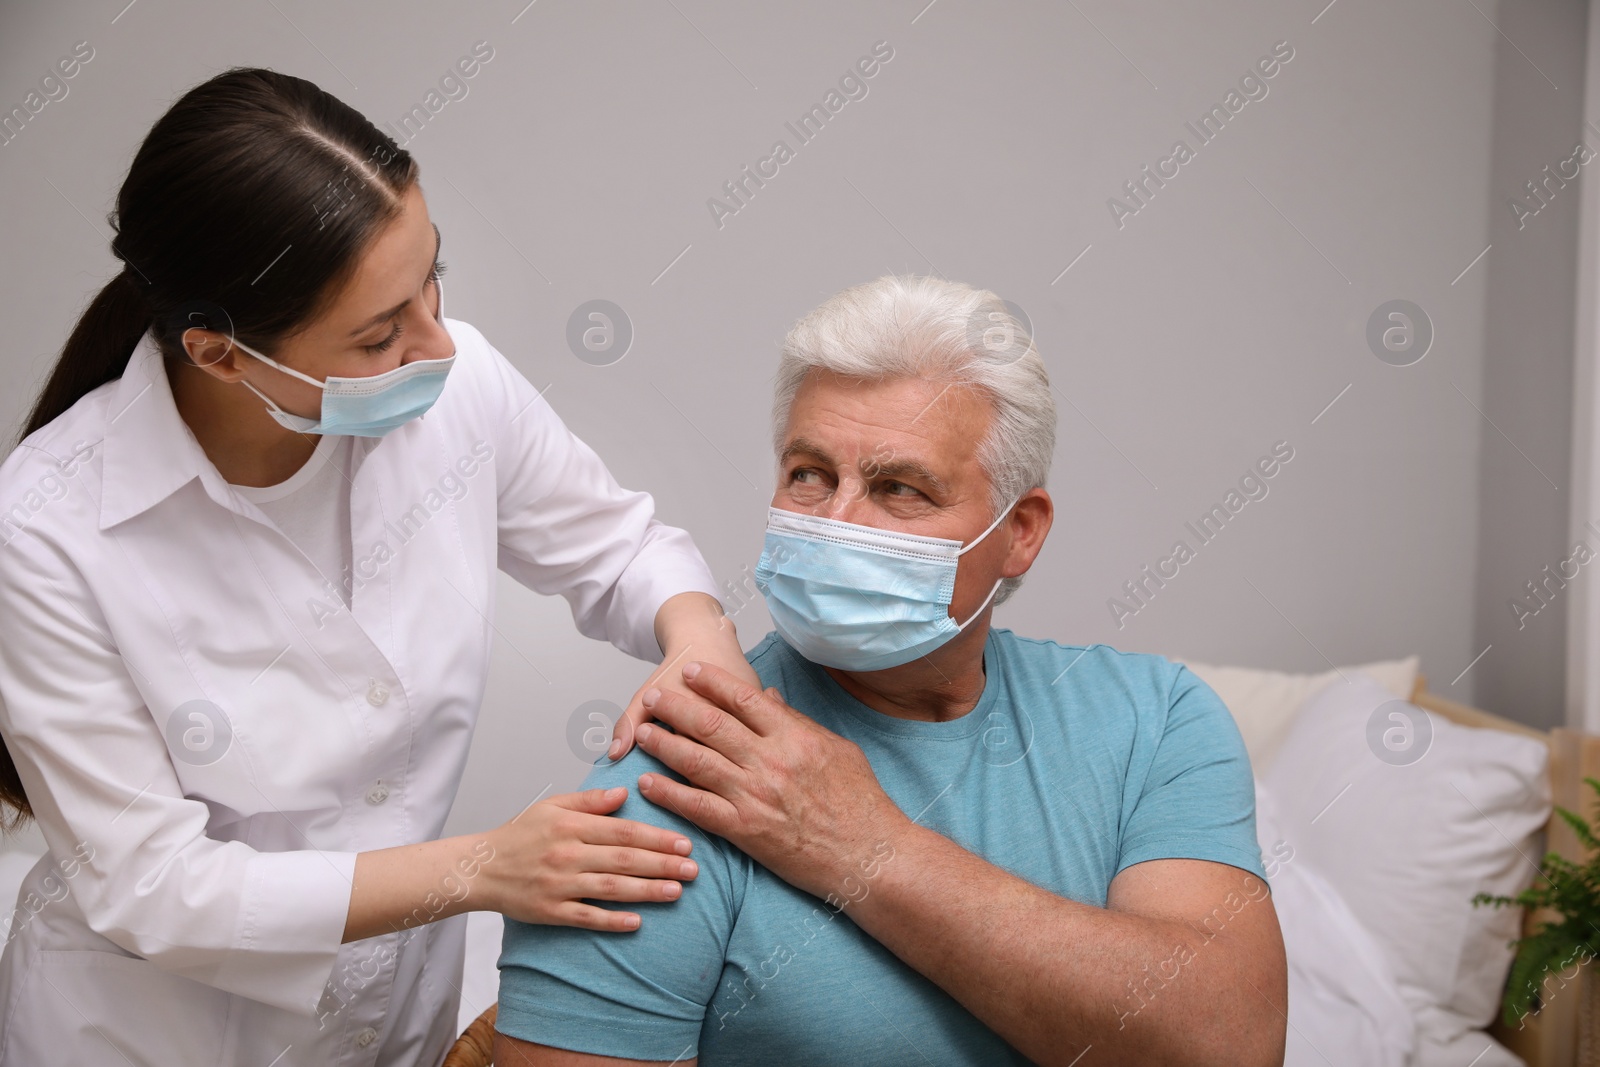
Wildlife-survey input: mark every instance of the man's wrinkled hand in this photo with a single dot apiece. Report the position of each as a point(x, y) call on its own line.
point(796, 797)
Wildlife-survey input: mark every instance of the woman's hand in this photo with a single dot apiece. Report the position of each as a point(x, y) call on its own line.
point(689, 627)
point(537, 868)
point(568, 848)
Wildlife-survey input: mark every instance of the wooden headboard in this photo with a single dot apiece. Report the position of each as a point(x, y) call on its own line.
point(1548, 1038)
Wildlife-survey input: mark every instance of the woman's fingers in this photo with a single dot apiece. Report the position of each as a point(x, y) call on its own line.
point(622, 734)
point(619, 874)
point(589, 917)
point(610, 830)
point(592, 886)
point(566, 849)
point(605, 829)
point(592, 801)
point(625, 732)
point(637, 862)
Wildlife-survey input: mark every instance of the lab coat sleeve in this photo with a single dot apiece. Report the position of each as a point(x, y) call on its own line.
point(567, 527)
point(96, 767)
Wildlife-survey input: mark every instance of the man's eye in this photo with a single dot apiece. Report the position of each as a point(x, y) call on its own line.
point(899, 489)
point(805, 475)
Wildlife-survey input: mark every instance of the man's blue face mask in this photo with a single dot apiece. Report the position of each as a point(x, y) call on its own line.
point(858, 598)
point(365, 407)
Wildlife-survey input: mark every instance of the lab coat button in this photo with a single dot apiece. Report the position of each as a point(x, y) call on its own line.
point(377, 694)
point(366, 1037)
point(378, 793)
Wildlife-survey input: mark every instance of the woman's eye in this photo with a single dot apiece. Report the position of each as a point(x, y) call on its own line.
point(384, 345)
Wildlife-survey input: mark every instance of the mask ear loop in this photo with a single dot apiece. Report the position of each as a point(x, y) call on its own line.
point(985, 604)
point(1004, 513)
point(274, 363)
point(272, 405)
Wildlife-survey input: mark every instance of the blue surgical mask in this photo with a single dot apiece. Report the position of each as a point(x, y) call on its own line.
point(365, 407)
point(858, 598)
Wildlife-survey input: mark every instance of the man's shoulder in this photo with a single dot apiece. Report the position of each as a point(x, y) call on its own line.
point(1102, 686)
point(772, 658)
point(1030, 658)
point(625, 772)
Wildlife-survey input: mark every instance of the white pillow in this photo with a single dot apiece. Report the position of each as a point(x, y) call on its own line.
point(1407, 844)
point(1344, 1005)
point(1263, 703)
point(1445, 1044)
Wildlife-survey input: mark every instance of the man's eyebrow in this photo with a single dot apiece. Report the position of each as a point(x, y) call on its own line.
point(438, 243)
point(802, 446)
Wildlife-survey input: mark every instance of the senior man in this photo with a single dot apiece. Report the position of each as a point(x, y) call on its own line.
point(971, 847)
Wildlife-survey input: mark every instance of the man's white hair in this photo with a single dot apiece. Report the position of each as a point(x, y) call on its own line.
point(911, 326)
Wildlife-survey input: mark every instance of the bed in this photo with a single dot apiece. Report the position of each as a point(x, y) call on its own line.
point(1548, 1038)
point(1390, 965)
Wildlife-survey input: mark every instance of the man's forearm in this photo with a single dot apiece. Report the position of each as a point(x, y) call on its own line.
point(1053, 976)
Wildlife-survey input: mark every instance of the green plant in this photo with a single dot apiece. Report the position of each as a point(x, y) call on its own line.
point(1571, 890)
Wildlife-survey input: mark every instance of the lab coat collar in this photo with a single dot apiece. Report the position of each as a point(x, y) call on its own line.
point(150, 452)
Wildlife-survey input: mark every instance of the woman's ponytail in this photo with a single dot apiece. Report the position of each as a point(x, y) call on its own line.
point(97, 352)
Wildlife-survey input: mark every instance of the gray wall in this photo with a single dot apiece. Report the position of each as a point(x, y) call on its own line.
point(1529, 314)
point(1222, 317)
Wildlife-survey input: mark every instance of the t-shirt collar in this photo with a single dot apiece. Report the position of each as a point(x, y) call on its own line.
point(971, 723)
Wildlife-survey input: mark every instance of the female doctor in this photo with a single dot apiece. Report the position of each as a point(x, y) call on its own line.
point(246, 585)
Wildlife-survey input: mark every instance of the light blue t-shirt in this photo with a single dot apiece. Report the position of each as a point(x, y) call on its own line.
point(1076, 763)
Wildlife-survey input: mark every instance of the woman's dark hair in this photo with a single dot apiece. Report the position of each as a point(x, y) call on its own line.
point(246, 211)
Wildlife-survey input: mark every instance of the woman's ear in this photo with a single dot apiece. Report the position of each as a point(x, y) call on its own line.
point(215, 353)
point(1030, 522)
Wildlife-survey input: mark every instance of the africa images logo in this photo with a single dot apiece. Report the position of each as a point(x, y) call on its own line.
point(1252, 86)
point(1141, 589)
point(852, 86)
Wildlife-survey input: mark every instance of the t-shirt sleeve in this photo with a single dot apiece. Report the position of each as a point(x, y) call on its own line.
point(1199, 796)
point(639, 995)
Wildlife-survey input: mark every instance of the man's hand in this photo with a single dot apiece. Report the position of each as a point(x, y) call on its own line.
point(795, 797)
point(688, 626)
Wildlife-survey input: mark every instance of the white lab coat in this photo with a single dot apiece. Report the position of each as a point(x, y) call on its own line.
point(208, 736)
